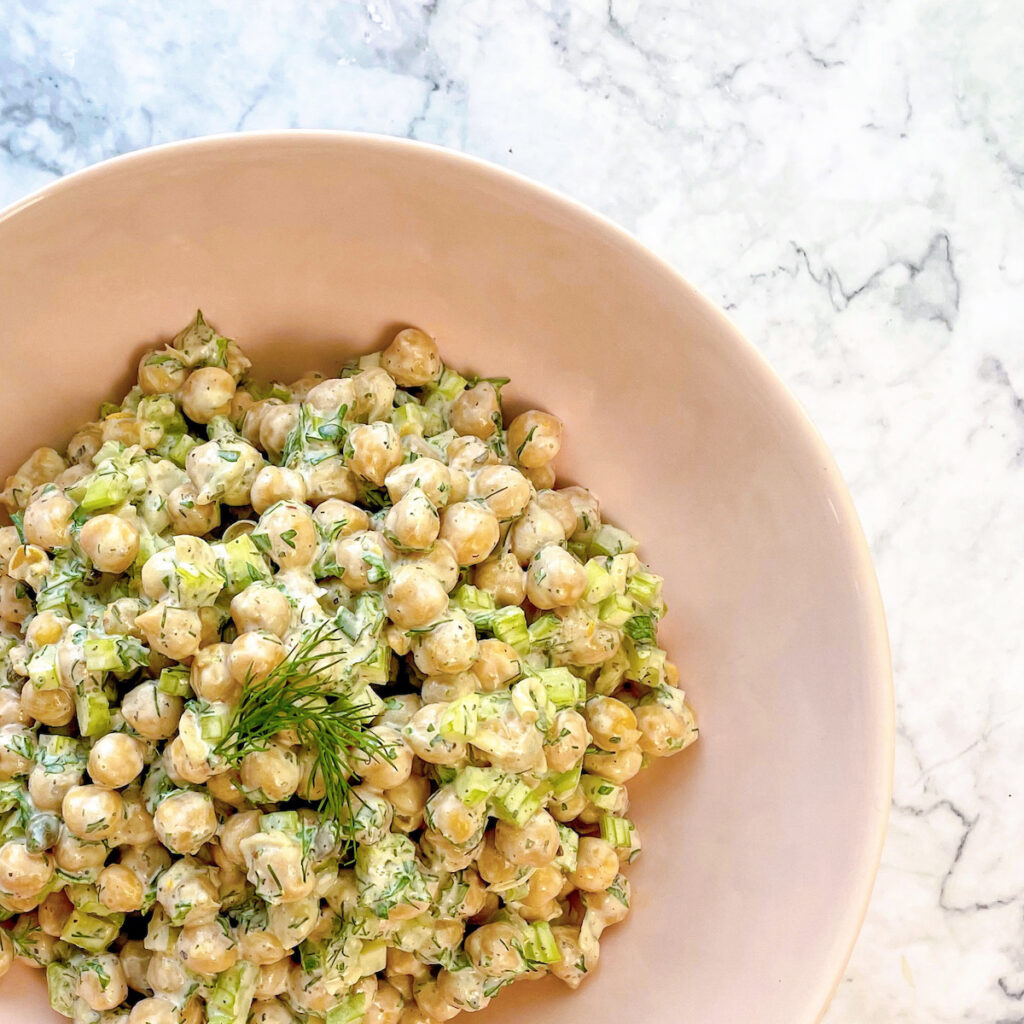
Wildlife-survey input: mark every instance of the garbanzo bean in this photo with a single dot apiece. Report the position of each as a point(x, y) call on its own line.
point(412, 358)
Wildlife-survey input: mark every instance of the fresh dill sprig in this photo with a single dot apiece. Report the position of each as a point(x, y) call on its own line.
point(296, 696)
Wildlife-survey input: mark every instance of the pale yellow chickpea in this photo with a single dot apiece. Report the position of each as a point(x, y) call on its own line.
point(119, 889)
point(448, 688)
point(274, 771)
point(149, 861)
point(534, 438)
point(15, 743)
point(93, 812)
point(161, 373)
point(176, 632)
point(535, 844)
point(15, 603)
point(429, 475)
point(618, 766)
point(260, 947)
point(209, 675)
point(432, 1003)
point(391, 766)
point(166, 973)
point(290, 532)
point(452, 819)
point(450, 647)
point(207, 392)
point(45, 628)
point(497, 665)
point(51, 707)
point(386, 1007)
point(30, 564)
point(545, 885)
point(423, 734)
point(47, 789)
point(54, 912)
point(374, 394)
point(236, 828)
point(504, 490)
point(116, 760)
point(225, 788)
point(188, 514)
point(338, 518)
point(412, 358)
point(409, 797)
point(274, 484)
point(587, 510)
point(275, 424)
point(568, 807)
point(329, 480)
point(274, 866)
point(494, 949)
point(9, 543)
point(135, 960)
point(47, 521)
point(554, 579)
point(596, 865)
point(612, 724)
point(186, 883)
point(469, 455)
point(440, 562)
point(542, 477)
point(414, 598)
point(261, 607)
point(471, 529)
point(138, 827)
point(359, 556)
point(183, 767)
point(73, 855)
point(328, 396)
point(477, 411)
point(23, 873)
point(534, 530)
point(11, 711)
point(154, 715)
point(42, 466)
point(662, 731)
point(270, 1011)
point(412, 524)
point(110, 542)
point(254, 655)
point(375, 450)
point(569, 743)
point(102, 984)
point(207, 948)
point(561, 506)
point(184, 822)
point(154, 1010)
point(273, 978)
point(503, 578)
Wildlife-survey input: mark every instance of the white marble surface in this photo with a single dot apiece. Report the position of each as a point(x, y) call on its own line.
point(846, 177)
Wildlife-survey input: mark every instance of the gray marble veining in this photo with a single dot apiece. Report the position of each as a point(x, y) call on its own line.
point(847, 179)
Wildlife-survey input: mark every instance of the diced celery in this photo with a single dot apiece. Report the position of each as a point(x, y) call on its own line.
point(241, 562)
point(617, 831)
point(62, 987)
point(409, 419)
point(645, 588)
point(599, 582)
point(42, 668)
point(600, 792)
point(350, 1010)
point(564, 690)
point(93, 711)
point(540, 946)
point(232, 996)
point(373, 957)
point(612, 672)
point(646, 663)
point(103, 489)
point(609, 540)
point(568, 848)
point(459, 719)
point(90, 932)
point(198, 585)
point(375, 668)
point(615, 610)
point(514, 801)
point(214, 722)
point(478, 604)
point(474, 785)
point(509, 625)
point(368, 360)
point(565, 782)
point(174, 681)
point(114, 653)
point(280, 821)
point(642, 629)
point(541, 630)
point(450, 385)
point(620, 568)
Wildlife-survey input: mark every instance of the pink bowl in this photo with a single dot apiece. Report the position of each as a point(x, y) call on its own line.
point(762, 841)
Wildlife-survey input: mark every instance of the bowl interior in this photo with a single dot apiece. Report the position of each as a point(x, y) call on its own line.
point(761, 841)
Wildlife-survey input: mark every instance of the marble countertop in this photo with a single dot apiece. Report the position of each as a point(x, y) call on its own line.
point(847, 179)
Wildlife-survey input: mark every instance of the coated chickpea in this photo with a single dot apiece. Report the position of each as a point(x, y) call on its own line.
point(116, 760)
point(74, 856)
point(9, 543)
point(45, 628)
point(440, 562)
point(274, 484)
point(535, 844)
point(545, 885)
point(471, 529)
point(135, 960)
point(503, 578)
point(412, 523)
point(138, 827)
point(497, 665)
point(15, 751)
point(423, 734)
point(450, 647)
point(154, 1010)
point(412, 358)
point(448, 688)
point(188, 892)
point(181, 766)
point(234, 830)
point(374, 390)
point(102, 983)
point(275, 424)
point(93, 812)
point(225, 788)
point(270, 1012)
point(291, 533)
point(389, 768)
point(329, 396)
point(534, 438)
point(274, 866)
point(188, 514)
point(223, 471)
point(338, 518)
point(30, 564)
point(153, 714)
point(207, 392)
point(596, 865)
point(161, 373)
point(185, 822)
point(534, 530)
point(373, 450)
point(273, 978)
point(587, 510)
point(261, 607)
point(119, 889)
point(51, 707)
point(477, 411)
point(469, 455)
point(611, 723)
point(169, 630)
point(408, 799)
point(149, 861)
point(386, 1007)
point(329, 479)
point(207, 948)
point(11, 711)
point(54, 912)
point(452, 819)
point(662, 731)
point(504, 490)
point(493, 948)
point(209, 676)
point(254, 655)
point(554, 579)
point(274, 771)
point(110, 542)
point(15, 603)
point(560, 505)
point(47, 521)
point(414, 598)
point(430, 475)
point(23, 873)
point(570, 806)
point(166, 973)
point(618, 766)
point(433, 1004)
point(570, 741)
point(260, 947)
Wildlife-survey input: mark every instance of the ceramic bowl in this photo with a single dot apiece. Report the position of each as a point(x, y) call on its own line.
point(762, 841)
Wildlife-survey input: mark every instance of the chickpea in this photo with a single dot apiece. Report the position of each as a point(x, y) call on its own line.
point(261, 607)
point(436, 689)
point(329, 480)
point(42, 466)
point(554, 578)
point(412, 358)
point(209, 676)
point(206, 393)
point(161, 373)
point(54, 912)
point(502, 578)
point(260, 947)
point(223, 471)
point(93, 812)
point(15, 604)
point(185, 822)
point(274, 866)
point(374, 391)
point(15, 751)
point(560, 505)
point(76, 857)
point(11, 711)
point(450, 647)
point(154, 1011)
point(274, 771)
point(596, 865)
point(84, 444)
point(477, 411)
point(47, 521)
point(188, 514)
point(54, 708)
point(181, 766)
point(456, 822)
point(135, 960)
point(412, 524)
point(30, 564)
point(138, 827)
point(120, 890)
point(102, 984)
point(662, 731)
point(149, 861)
point(188, 893)
point(207, 948)
point(414, 598)
point(535, 844)
point(45, 628)
point(291, 532)
point(270, 1012)
point(504, 490)
point(572, 967)
point(116, 760)
point(545, 885)
point(423, 734)
point(254, 655)
point(225, 788)
point(338, 518)
point(373, 450)
point(497, 665)
point(236, 828)
point(173, 631)
point(166, 973)
point(494, 949)
point(570, 741)
point(110, 542)
point(274, 484)
point(154, 715)
point(471, 529)
point(329, 396)
point(611, 723)
point(534, 438)
point(410, 797)
point(23, 873)
point(430, 1002)
point(440, 562)
point(618, 766)
point(535, 529)
point(386, 1007)
point(389, 768)
point(570, 806)
point(432, 477)
point(9, 543)
point(273, 978)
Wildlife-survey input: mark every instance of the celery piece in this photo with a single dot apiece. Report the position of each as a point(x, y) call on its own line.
point(620, 568)
point(609, 540)
point(615, 610)
point(563, 783)
point(174, 681)
point(451, 384)
point(241, 562)
point(568, 848)
point(514, 801)
point(599, 582)
point(617, 831)
point(645, 588)
point(350, 1010)
point(91, 932)
point(280, 821)
point(564, 690)
point(460, 719)
point(509, 625)
point(612, 672)
point(474, 785)
point(541, 630)
point(122, 654)
point(540, 946)
point(62, 987)
point(93, 711)
point(409, 419)
point(478, 604)
point(646, 663)
point(42, 668)
point(232, 995)
point(103, 489)
point(600, 792)
point(642, 629)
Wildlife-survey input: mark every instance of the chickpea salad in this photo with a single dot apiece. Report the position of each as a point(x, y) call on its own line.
point(318, 701)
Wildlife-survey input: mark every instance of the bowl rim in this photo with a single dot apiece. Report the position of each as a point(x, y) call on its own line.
point(878, 650)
